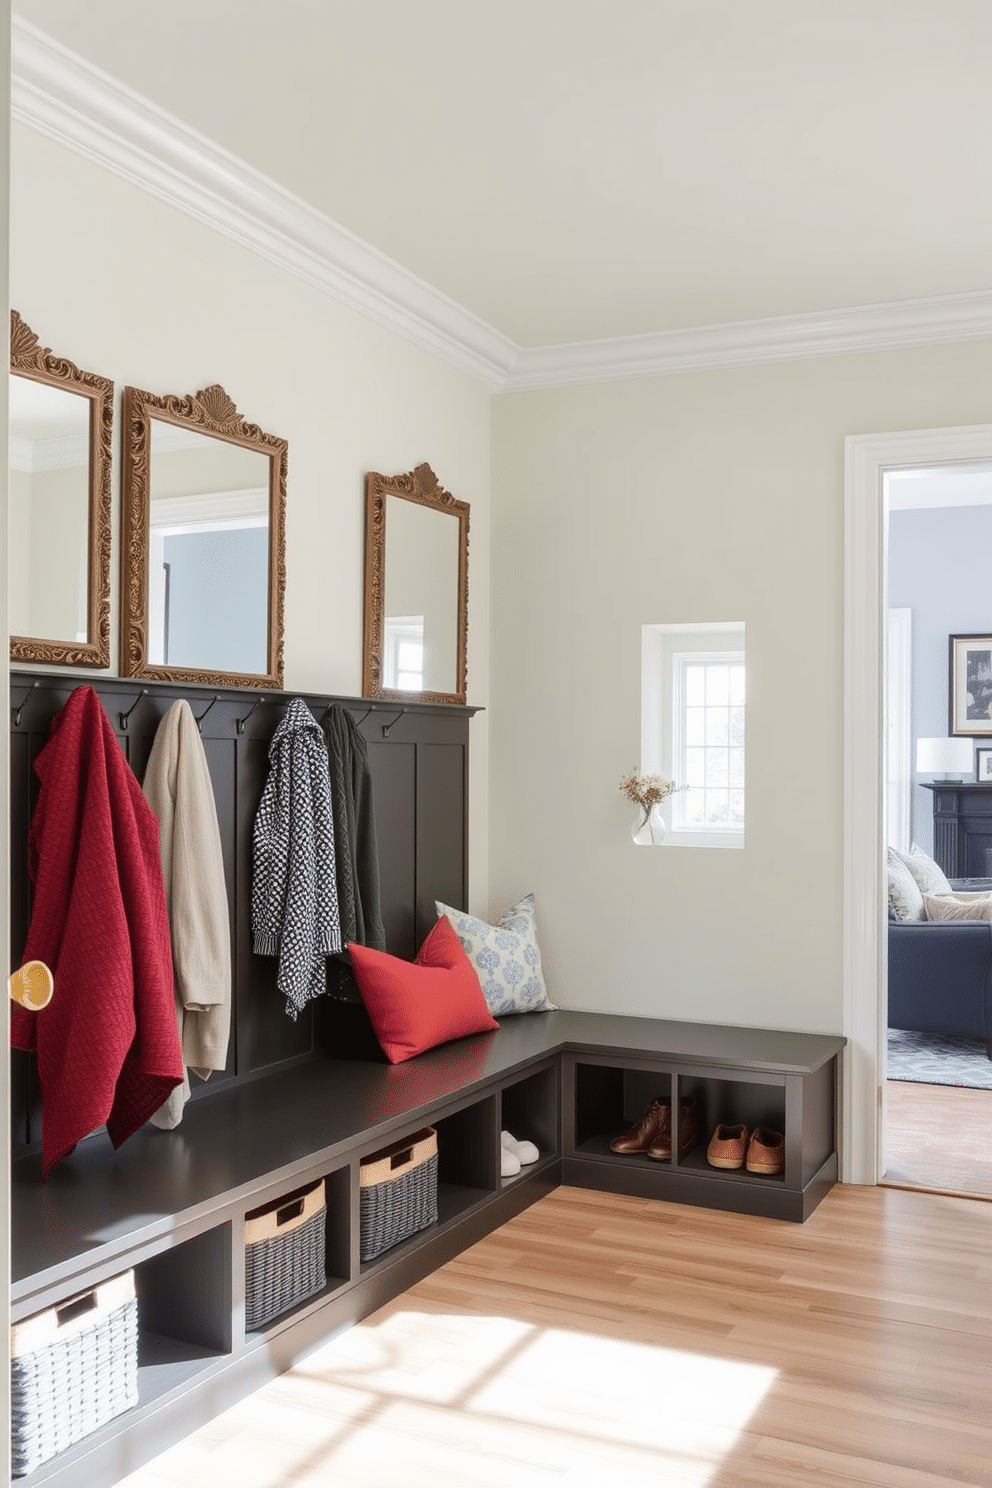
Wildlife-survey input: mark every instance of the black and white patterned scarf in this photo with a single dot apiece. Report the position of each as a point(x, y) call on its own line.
point(294, 900)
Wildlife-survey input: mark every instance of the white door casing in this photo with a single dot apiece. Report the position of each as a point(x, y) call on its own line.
point(867, 459)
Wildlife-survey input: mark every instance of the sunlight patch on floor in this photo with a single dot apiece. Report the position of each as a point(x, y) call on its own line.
point(437, 1398)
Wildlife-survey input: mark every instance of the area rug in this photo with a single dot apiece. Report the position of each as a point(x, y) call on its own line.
point(938, 1059)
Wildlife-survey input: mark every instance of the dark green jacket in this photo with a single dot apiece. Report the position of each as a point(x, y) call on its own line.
point(354, 830)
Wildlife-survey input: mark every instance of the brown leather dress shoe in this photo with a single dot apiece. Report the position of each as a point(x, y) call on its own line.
point(765, 1151)
point(728, 1147)
point(646, 1129)
point(661, 1148)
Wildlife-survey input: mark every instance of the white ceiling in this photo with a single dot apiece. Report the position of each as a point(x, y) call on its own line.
point(570, 170)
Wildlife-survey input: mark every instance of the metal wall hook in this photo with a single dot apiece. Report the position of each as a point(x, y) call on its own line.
point(239, 723)
point(387, 726)
point(200, 717)
point(125, 716)
point(17, 710)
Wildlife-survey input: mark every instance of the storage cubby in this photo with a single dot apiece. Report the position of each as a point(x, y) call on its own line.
point(529, 1110)
point(337, 1242)
point(751, 1077)
point(337, 1187)
point(184, 1312)
point(466, 1166)
point(609, 1098)
point(600, 1106)
point(731, 1102)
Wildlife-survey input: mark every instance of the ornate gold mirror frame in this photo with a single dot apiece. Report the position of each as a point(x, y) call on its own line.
point(61, 459)
point(187, 458)
point(416, 589)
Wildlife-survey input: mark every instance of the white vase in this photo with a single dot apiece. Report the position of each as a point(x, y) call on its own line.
point(648, 829)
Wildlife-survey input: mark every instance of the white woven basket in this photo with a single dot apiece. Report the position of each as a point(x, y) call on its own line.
point(72, 1367)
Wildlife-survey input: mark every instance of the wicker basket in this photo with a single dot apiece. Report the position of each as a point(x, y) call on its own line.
point(399, 1192)
point(72, 1368)
point(285, 1253)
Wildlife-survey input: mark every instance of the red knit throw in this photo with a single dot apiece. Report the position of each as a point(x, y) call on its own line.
point(107, 1043)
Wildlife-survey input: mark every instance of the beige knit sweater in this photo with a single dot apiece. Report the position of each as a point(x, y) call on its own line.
point(178, 788)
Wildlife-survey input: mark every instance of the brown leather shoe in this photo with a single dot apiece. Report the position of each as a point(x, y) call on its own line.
point(728, 1147)
point(661, 1148)
point(765, 1151)
point(647, 1129)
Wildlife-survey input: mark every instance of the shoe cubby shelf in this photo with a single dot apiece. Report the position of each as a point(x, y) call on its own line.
point(171, 1206)
point(771, 1089)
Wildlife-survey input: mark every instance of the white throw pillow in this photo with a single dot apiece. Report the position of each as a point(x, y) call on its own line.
point(506, 957)
point(958, 906)
point(928, 874)
point(905, 895)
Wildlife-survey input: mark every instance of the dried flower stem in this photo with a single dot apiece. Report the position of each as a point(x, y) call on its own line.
point(647, 791)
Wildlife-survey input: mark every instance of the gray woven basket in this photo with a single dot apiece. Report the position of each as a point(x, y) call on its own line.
point(398, 1192)
point(285, 1254)
point(72, 1368)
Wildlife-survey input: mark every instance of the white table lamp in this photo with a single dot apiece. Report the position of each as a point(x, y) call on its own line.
point(947, 758)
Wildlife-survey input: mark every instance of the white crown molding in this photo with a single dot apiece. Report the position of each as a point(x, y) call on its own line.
point(60, 95)
point(960, 317)
point(216, 511)
point(60, 452)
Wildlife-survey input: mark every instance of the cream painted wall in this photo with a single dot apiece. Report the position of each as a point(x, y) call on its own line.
point(54, 518)
point(677, 499)
point(685, 498)
point(129, 287)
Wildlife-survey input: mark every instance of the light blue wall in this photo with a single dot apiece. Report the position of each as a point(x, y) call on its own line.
point(940, 567)
point(214, 618)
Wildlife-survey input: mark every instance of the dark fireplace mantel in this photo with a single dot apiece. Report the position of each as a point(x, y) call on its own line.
point(962, 828)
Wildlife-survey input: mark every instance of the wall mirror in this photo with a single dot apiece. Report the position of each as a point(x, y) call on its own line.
point(203, 573)
point(416, 589)
point(60, 421)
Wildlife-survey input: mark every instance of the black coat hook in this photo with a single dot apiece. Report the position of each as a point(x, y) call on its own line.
point(387, 726)
point(200, 717)
point(17, 710)
point(127, 715)
point(240, 722)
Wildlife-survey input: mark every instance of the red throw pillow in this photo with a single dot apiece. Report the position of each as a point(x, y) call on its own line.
point(416, 1005)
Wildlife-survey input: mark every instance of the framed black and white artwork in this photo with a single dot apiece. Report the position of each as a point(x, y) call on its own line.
point(969, 690)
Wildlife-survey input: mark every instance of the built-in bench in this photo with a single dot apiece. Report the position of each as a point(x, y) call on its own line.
point(171, 1205)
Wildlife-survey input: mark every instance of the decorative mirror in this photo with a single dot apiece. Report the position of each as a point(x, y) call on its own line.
point(61, 421)
point(416, 589)
point(203, 568)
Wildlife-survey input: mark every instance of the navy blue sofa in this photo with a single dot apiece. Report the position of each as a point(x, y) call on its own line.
point(940, 975)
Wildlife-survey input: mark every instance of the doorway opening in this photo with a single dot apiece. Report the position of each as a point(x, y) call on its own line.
point(938, 1078)
point(871, 459)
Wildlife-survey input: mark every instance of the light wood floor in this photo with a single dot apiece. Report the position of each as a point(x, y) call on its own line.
point(938, 1137)
point(602, 1342)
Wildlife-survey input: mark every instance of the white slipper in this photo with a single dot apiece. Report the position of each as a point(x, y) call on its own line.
point(509, 1166)
point(525, 1152)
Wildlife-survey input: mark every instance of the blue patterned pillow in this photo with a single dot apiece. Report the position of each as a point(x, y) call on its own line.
point(505, 956)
